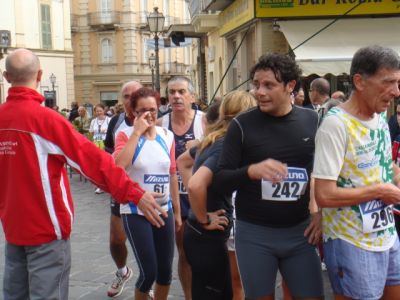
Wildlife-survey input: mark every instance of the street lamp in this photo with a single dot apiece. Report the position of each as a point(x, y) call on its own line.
point(155, 20)
point(5, 42)
point(152, 64)
point(53, 79)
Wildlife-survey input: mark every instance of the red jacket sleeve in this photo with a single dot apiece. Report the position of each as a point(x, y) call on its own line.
point(95, 164)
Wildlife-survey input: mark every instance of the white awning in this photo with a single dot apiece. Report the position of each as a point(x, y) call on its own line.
point(332, 49)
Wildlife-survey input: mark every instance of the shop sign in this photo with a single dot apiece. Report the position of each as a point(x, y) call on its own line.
point(324, 8)
point(235, 15)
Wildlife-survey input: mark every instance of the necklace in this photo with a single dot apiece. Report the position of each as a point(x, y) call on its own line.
point(99, 124)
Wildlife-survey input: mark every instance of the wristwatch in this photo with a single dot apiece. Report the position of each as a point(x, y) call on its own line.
point(208, 222)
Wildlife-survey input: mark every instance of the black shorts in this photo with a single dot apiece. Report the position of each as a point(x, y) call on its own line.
point(114, 205)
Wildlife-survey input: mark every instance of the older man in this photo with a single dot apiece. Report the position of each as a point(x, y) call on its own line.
point(118, 249)
point(185, 123)
point(356, 183)
point(82, 123)
point(319, 93)
point(339, 95)
point(36, 208)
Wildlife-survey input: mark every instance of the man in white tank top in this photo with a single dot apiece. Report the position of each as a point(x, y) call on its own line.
point(185, 123)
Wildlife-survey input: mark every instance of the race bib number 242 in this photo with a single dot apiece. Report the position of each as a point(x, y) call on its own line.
point(290, 189)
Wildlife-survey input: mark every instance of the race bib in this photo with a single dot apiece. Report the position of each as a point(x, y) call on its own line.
point(181, 186)
point(290, 189)
point(158, 184)
point(376, 216)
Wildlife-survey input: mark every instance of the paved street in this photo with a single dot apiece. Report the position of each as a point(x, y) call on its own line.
point(92, 266)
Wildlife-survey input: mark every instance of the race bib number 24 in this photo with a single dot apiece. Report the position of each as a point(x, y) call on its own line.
point(290, 189)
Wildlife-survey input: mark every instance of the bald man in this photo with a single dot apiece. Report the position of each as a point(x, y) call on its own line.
point(319, 93)
point(118, 250)
point(36, 207)
point(339, 95)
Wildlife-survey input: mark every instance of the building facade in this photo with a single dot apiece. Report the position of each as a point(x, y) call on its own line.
point(42, 26)
point(112, 45)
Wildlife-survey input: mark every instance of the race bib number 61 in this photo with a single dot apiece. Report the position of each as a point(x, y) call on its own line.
point(290, 189)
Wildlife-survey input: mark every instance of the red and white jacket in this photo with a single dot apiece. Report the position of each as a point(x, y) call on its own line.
point(36, 142)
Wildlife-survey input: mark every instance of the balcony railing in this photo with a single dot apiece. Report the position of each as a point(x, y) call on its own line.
point(74, 21)
point(174, 68)
point(196, 7)
point(104, 18)
point(215, 5)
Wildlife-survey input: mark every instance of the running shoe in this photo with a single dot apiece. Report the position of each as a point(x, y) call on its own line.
point(323, 266)
point(99, 191)
point(118, 283)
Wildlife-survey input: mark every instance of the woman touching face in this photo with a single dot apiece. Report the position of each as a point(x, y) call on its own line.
point(146, 109)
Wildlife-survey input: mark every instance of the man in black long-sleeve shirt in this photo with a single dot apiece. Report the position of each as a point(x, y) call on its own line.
point(268, 157)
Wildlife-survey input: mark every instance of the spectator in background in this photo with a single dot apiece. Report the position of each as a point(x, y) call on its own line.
point(73, 112)
point(82, 122)
point(164, 107)
point(319, 93)
point(119, 108)
point(394, 127)
point(299, 97)
point(99, 125)
point(339, 95)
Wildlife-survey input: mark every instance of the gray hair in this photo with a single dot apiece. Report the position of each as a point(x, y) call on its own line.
point(321, 85)
point(185, 79)
point(126, 84)
point(368, 60)
point(22, 66)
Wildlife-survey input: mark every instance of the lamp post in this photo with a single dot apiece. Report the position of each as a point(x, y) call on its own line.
point(155, 20)
point(51, 98)
point(152, 64)
point(53, 79)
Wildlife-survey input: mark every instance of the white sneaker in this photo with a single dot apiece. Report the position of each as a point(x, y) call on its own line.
point(323, 266)
point(99, 191)
point(118, 283)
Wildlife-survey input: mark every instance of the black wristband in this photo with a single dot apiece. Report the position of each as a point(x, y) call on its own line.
point(205, 223)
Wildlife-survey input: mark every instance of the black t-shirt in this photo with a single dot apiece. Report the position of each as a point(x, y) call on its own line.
point(216, 200)
point(255, 136)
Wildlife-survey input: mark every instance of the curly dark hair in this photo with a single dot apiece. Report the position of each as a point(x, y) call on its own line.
point(142, 93)
point(283, 66)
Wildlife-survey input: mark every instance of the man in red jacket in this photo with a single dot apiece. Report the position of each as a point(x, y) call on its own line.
point(36, 207)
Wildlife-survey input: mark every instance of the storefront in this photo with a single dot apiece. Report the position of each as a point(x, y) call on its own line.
point(324, 35)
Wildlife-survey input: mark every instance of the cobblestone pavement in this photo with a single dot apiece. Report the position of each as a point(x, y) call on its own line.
point(92, 267)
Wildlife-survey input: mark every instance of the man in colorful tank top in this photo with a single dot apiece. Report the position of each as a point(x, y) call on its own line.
point(356, 183)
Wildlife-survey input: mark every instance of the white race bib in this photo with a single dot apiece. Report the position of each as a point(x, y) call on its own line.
point(181, 186)
point(290, 189)
point(376, 216)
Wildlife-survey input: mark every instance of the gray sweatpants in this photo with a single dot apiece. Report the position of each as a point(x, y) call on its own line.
point(37, 272)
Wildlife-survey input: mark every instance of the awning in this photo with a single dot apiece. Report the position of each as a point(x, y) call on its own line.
point(332, 49)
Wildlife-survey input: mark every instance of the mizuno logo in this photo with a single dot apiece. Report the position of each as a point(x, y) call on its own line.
point(371, 206)
point(150, 178)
